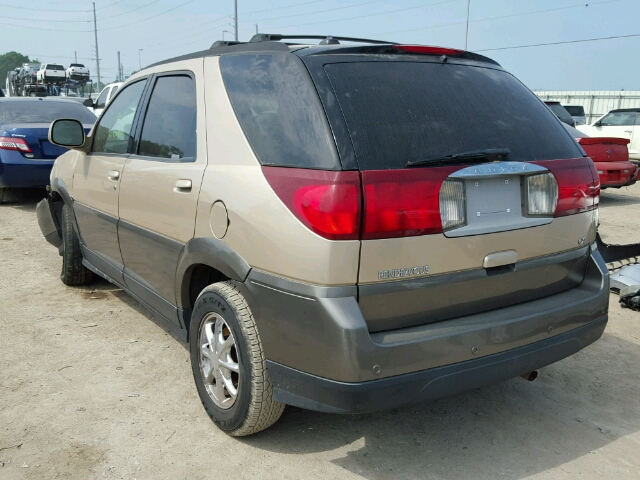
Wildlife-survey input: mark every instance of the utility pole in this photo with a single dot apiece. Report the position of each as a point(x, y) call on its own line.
point(76, 55)
point(95, 31)
point(256, 28)
point(139, 61)
point(119, 68)
point(466, 35)
point(236, 18)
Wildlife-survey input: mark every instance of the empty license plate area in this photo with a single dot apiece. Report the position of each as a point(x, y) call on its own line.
point(494, 196)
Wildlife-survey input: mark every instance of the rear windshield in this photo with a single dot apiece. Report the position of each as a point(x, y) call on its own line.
point(398, 112)
point(279, 111)
point(76, 65)
point(44, 112)
point(575, 110)
point(52, 66)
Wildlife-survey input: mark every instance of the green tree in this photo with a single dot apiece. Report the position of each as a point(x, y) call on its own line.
point(11, 60)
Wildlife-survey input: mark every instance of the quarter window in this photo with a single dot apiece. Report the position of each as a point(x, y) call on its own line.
point(113, 133)
point(102, 99)
point(169, 129)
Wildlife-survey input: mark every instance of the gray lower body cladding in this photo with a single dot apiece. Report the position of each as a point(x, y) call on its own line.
point(315, 393)
point(321, 330)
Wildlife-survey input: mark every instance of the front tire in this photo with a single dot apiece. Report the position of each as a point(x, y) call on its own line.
point(73, 272)
point(228, 363)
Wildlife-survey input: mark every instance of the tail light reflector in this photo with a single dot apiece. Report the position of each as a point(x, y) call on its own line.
point(327, 202)
point(542, 195)
point(403, 203)
point(578, 185)
point(453, 204)
point(14, 143)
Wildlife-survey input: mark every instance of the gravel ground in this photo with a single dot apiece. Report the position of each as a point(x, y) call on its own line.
point(91, 387)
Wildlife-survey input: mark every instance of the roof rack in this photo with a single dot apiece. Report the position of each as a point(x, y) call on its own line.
point(326, 39)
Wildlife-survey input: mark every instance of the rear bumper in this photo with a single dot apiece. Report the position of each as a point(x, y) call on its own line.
point(315, 393)
point(19, 172)
point(613, 174)
point(316, 339)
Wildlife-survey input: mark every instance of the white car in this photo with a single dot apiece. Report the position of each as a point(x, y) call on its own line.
point(103, 100)
point(77, 72)
point(619, 123)
point(51, 73)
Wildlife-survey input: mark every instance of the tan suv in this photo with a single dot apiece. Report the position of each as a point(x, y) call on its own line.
point(343, 227)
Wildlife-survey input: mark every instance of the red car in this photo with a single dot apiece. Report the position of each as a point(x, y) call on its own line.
point(611, 158)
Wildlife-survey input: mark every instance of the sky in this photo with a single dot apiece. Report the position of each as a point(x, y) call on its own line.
point(56, 31)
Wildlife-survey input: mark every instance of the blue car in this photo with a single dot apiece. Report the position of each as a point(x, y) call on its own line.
point(26, 156)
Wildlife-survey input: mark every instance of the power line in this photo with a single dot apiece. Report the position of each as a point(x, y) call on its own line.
point(559, 43)
point(130, 11)
point(23, 19)
point(45, 29)
point(579, 5)
point(111, 4)
point(282, 8)
point(321, 11)
point(149, 18)
point(368, 15)
point(226, 17)
point(42, 9)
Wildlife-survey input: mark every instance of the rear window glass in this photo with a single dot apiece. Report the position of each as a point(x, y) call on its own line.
point(575, 110)
point(279, 111)
point(53, 66)
point(44, 112)
point(398, 112)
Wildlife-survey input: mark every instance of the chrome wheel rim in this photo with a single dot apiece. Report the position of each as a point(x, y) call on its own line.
point(219, 362)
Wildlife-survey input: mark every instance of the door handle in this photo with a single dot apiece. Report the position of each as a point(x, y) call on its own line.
point(182, 186)
point(628, 131)
point(113, 175)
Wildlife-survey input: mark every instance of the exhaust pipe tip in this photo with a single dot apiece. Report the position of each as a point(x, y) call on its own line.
point(530, 376)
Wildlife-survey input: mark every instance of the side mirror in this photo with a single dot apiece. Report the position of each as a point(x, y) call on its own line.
point(597, 124)
point(67, 133)
point(88, 103)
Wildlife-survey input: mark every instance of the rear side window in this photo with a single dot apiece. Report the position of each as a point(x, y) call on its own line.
point(561, 113)
point(279, 111)
point(169, 129)
point(102, 99)
point(398, 112)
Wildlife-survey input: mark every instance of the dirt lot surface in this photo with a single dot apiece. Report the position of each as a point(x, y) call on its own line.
point(91, 387)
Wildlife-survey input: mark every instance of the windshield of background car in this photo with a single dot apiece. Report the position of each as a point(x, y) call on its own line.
point(279, 110)
point(44, 112)
point(575, 110)
point(398, 112)
point(618, 119)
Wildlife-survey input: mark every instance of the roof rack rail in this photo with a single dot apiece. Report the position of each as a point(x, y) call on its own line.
point(326, 39)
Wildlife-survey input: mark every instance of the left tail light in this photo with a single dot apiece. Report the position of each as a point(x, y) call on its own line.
point(541, 195)
point(327, 202)
point(14, 143)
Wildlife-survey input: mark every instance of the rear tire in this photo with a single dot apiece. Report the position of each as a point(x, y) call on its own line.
point(2, 190)
point(73, 272)
point(228, 363)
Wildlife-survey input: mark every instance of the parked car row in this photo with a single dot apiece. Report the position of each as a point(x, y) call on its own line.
point(33, 79)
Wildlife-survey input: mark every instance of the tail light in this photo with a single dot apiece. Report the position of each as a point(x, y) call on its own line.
point(327, 202)
point(541, 195)
point(14, 143)
point(403, 203)
point(376, 204)
point(578, 185)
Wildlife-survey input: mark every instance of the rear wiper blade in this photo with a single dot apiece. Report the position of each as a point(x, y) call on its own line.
point(474, 156)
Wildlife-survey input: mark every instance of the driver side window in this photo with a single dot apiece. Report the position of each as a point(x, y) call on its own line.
point(113, 132)
point(618, 119)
